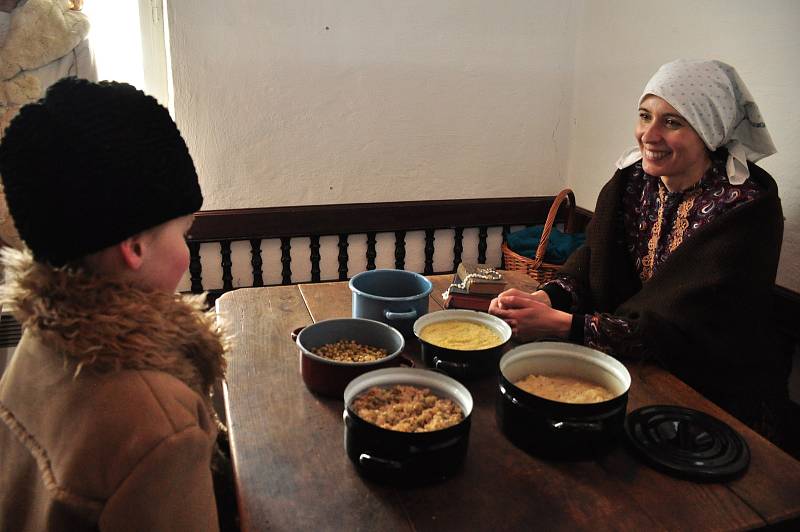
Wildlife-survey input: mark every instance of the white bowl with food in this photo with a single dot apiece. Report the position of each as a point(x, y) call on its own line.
point(562, 400)
point(406, 426)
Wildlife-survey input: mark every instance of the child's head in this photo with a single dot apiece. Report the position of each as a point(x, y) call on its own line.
point(96, 169)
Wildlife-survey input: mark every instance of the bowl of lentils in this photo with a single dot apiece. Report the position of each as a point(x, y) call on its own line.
point(334, 352)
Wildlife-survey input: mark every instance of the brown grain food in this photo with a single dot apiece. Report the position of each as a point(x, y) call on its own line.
point(406, 408)
point(350, 351)
point(565, 389)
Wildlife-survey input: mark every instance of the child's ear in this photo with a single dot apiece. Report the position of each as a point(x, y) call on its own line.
point(132, 251)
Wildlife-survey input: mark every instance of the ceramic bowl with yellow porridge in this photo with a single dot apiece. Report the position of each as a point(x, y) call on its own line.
point(462, 343)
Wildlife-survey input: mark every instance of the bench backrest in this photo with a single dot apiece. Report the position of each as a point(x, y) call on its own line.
point(398, 219)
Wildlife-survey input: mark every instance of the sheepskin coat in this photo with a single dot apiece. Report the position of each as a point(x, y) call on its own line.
point(45, 41)
point(41, 41)
point(105, 413)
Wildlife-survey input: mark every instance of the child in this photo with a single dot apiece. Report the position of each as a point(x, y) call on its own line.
point(105, 412)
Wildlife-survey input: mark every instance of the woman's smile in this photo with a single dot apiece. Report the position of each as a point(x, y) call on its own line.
point(654, 155)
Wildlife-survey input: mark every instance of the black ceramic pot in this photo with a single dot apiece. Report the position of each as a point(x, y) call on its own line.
point(458, 363)
point(400, 457)
point(551, 428)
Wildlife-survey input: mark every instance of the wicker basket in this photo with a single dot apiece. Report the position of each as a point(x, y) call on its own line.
point(536, 268)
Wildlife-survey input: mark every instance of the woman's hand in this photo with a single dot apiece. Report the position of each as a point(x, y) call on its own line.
point(530, 315)
point(514, 298)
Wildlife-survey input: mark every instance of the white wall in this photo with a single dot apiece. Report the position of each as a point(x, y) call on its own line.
point(620, 45)
point(313, 102)
point(317, 102)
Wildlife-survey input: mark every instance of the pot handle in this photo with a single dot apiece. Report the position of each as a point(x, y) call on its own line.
point(376, 463)
point(575, 426)
point(389, 315)
point(446, 366)
point(403, 360)
point(560, 425)
point(296, 332)
point(369, 461)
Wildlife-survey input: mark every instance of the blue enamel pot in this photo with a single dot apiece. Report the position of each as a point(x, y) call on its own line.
point(394, 297)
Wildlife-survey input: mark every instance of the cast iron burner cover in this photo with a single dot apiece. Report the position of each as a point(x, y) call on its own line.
point(687, 443)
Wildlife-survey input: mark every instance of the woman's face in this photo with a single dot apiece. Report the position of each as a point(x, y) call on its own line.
point(670, 146)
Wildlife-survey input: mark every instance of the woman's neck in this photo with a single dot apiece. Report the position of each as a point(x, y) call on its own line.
point(681, 182)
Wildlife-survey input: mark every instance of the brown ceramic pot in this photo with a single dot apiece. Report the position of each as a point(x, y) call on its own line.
point(330, 377)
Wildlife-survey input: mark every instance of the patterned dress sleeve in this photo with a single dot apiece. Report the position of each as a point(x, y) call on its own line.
point(568, 291)
point(611, 334)
point(563, 292)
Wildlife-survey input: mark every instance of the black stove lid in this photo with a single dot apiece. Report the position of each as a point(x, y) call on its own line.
point(687, 443)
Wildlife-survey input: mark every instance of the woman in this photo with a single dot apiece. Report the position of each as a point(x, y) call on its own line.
point(41, 41)
point(682, 251)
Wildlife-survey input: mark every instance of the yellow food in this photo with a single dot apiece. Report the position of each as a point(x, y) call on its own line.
point(565, 389)
point(460, 335)
point(406, 408)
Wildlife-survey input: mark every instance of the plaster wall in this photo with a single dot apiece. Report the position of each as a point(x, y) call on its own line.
point(315, 102)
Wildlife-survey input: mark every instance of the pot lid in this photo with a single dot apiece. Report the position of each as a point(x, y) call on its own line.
point(687, 443)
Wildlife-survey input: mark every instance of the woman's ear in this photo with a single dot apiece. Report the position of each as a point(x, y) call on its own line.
point(132, 251)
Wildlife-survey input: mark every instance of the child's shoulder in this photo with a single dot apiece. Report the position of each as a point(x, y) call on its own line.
point(107, 423)
point(152, 401)
point(117, 402)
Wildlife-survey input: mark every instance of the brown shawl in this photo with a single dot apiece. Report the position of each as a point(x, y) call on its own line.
point(706, 314)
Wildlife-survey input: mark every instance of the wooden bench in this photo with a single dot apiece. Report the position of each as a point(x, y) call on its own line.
point(397, 219)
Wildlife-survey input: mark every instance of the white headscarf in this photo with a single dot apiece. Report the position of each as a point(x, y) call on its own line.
point(712, 97)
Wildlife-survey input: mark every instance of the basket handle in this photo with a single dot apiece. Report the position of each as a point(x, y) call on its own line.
point(548, 224)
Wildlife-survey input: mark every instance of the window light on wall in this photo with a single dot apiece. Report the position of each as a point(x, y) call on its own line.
point(127, 39)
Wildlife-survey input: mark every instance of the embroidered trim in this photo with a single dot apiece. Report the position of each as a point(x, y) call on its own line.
point(648, 262)
point(43, 462)
point(677, 232)
point(682, 221)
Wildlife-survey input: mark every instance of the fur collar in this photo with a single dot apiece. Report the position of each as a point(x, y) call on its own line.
point(104, 325)
point(40, 32)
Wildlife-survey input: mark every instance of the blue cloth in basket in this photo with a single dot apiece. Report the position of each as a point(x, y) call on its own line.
point(560, 245)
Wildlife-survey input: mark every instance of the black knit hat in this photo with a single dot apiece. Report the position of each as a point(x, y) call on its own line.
point(92, 164)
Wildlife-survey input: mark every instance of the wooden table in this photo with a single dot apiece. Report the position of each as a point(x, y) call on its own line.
point(292, 472)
